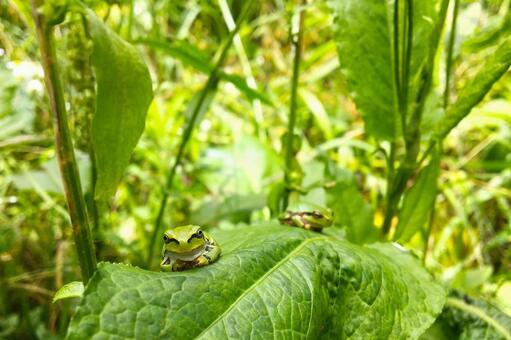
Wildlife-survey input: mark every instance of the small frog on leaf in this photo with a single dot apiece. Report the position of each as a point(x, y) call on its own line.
point(307, 216)
point(188, 247)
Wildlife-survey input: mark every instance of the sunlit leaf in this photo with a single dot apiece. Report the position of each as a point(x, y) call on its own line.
point(270, 281)
point(69, 290)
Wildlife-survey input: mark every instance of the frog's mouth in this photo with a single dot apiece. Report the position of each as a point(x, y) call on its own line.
point(168, 256)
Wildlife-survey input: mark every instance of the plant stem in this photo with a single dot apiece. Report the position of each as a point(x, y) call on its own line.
point(296, 36)
point(199, 107)
point(412, 130)
point(397, 55)
point(450, 50)
point(407, 56)
point(395, 185)
point(64, 148)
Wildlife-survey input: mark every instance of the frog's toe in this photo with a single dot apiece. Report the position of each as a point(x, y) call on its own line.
point(203, 260)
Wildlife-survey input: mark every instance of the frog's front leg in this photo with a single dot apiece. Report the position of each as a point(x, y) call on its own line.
point(211, 254)
point(168, 266)
point(299, 222)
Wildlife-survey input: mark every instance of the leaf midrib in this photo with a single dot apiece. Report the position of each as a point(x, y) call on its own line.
point(259, 280)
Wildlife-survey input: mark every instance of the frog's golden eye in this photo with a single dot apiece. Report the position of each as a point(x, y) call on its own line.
point(200, 234)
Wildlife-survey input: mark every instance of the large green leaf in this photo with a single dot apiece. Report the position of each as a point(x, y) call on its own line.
point(124, 92)
point(270, 281)
point(418, 201)
point(363, 32)
point(476, 89)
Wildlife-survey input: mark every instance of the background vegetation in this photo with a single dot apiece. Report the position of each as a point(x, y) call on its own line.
point(233, 167)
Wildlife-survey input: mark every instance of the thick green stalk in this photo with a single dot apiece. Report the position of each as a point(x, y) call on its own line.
point(450, 50)
point(210, 86)
point(397, 55)
point(401, 83)
point(412, 130)
point(297, 33)
point(407, 57)
point(64, 148)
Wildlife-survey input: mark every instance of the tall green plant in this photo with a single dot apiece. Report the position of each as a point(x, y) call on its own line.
point(400, 42)
point(45, 19)
point(289, 148)
point(124, 92)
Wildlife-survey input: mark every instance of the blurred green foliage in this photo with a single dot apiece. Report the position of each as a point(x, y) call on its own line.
point(234, 158)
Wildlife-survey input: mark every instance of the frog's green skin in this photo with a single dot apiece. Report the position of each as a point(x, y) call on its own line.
point(307, 216)
point(187, 247)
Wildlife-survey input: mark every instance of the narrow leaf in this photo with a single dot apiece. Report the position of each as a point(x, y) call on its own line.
point(182, 51)
point(418, 201)
point(124, 92)
point(363, 32)
point(69, 290)
point(243, 87)
point(475, 90)
point(270, 282)
point(192, 56)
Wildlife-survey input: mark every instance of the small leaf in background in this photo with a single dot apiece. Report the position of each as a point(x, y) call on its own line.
point(69, 290)
point(364, 43)
point(270, 281)
point(124, 92)
point(475, 90)
point(418, 201)
point(351, 210)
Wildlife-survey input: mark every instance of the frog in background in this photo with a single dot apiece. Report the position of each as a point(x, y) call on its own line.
point(307, 216)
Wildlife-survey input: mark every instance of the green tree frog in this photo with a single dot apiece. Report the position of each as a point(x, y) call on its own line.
point(307, 216)
point(188, 247)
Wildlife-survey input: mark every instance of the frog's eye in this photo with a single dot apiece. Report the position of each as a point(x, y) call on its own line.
point(199, 234)
point(316, 214)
